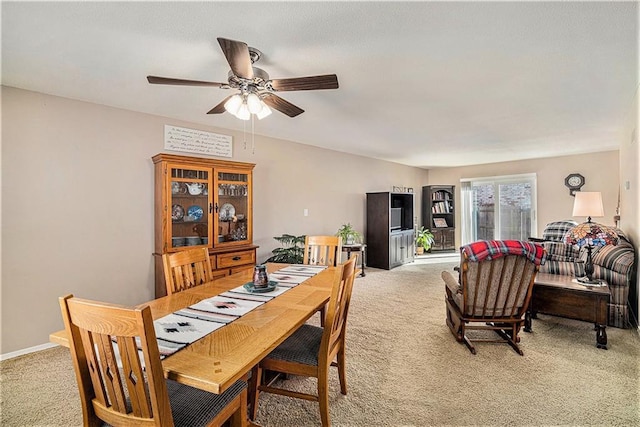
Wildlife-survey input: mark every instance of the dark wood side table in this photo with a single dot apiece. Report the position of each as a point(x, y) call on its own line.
point(562, 296)
point(358, 247)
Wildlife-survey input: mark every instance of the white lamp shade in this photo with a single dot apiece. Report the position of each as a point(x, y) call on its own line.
point(264, 112)
point(253, 103)
point(233, 104)
point(243, 112)
point(588, 203)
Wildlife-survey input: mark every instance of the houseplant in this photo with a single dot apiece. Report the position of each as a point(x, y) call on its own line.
point(349, 235)
point(424, 240)
point(291, 253)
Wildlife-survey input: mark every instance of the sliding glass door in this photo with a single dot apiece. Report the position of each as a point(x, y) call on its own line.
point(500, 207)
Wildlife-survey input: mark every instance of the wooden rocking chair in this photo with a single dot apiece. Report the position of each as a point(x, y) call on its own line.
point(493, 291)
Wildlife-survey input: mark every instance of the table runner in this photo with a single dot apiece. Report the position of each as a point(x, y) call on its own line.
point(177, 330)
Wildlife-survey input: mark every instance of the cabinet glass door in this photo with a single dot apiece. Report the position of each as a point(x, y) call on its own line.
point(232, 208)
point(190, 207)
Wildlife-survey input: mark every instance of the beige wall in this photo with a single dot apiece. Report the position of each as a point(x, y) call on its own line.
point(77, 203)
point(554, 202)
point(77, 200)
point(630, 184)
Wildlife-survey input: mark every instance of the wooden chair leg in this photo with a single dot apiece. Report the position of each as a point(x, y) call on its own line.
point(342, 374)
point(323, 398)
point(254, 384)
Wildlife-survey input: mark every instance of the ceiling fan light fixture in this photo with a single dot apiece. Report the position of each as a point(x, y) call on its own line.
point(243, 112)
point(266, 111)
point(233, 104)
point(254, 104)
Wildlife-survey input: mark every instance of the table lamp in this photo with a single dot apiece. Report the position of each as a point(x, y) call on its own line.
point(589, 233)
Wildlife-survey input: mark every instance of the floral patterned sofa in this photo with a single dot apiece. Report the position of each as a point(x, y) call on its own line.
point(615, 264)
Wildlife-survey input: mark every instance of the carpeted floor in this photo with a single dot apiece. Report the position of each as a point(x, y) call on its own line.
point(404, 368)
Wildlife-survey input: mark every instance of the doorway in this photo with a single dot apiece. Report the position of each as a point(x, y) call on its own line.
point(499, 207)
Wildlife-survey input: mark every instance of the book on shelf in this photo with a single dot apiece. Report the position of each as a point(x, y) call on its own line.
point(440, 222)
point(441, 195)
point(440, 207)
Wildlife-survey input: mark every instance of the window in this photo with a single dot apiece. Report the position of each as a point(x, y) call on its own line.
point(499, 207)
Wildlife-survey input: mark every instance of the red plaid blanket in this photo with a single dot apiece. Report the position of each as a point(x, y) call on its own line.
point(490, 249)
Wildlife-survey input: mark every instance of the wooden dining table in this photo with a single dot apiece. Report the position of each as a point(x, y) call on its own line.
point(217, 360)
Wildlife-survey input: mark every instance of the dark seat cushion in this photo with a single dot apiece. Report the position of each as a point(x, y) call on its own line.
point(301, 347)
point(192, 407)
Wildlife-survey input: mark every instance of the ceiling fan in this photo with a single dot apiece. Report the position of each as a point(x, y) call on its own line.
point(253, 84)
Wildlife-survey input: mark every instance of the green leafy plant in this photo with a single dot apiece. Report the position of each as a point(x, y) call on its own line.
point(292, 251)
point(424, 239)
point(349, 234)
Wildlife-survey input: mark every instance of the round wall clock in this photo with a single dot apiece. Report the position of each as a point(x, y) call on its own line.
point(574, 182)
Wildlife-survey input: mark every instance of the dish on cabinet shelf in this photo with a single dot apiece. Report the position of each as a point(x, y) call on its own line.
point(177, 241)
point(195, 212)
point(227, 211)
point(177, 212)
point(195, 188)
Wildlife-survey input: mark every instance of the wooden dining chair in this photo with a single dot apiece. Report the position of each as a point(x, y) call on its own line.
point(119, 373)
point(186, 269)
point(322, 250)
point(311, 350)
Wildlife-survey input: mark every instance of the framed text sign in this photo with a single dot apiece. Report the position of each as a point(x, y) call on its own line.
point(197, 141)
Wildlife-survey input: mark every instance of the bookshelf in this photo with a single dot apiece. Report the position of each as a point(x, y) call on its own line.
point(438, 215)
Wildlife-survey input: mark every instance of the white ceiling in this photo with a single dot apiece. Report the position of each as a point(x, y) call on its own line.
point(425, 84)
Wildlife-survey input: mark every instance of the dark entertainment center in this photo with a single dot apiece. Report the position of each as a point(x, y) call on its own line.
point(390, 229)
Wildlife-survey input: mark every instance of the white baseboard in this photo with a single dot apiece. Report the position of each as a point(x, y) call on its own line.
point(26, 351)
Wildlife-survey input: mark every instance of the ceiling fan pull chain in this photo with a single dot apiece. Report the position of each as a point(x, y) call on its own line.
point(244, 133)
point(253, 136)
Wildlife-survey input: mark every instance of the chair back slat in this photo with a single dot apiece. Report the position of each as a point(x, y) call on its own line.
point(134, 381)
point(116, 384)
point(186, 269)
point(498, 287)
point(109, 373)
point(322, 250)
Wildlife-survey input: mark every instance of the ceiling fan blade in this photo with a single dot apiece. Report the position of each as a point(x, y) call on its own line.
point(285, 107)
point(237, 54)
point(169, 81)
point(218, 109)
point(327, 81)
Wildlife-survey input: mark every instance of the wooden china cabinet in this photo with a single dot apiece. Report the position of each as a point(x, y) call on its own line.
point(203, 203)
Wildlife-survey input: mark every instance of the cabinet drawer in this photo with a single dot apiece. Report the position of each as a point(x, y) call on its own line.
point(242, 268)
point(219, 274)
point(233, 259)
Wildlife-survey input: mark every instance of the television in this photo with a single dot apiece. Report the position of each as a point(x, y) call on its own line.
point(396, 219)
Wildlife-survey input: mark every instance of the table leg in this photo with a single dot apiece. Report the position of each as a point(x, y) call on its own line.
point(363, 262)
point(601, 336)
